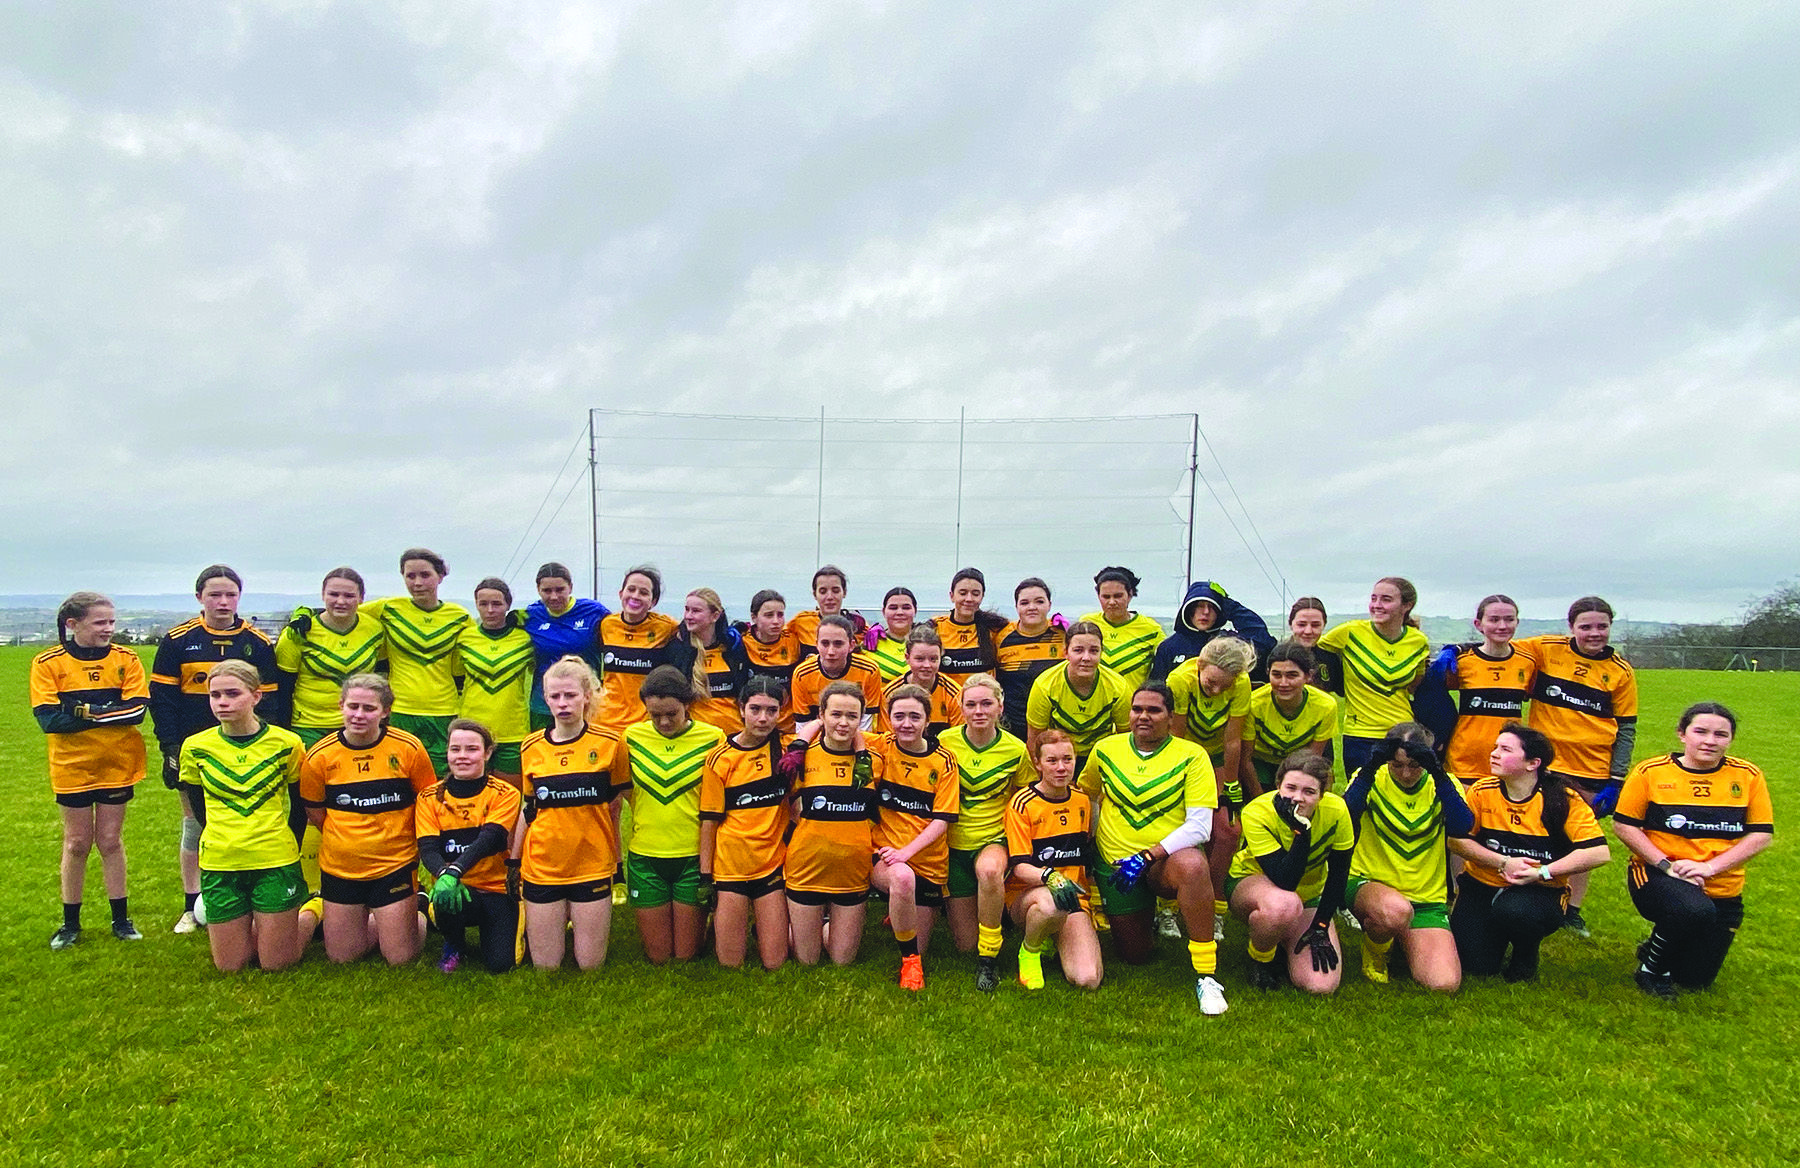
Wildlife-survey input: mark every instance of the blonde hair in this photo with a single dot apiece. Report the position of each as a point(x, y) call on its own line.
point(988, 682)
point(242, 670)
point(1234, 655)
point(585, 680)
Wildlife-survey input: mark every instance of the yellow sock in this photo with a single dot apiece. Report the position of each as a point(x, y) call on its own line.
point(1165, 904)
point(904, 935)
point(1263, 955)
point(1375, 959)
point(1220, 908)
point(1031, 968)
point(1205, 956)
point(987, 941)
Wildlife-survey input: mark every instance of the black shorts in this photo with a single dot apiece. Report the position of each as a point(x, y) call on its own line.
point(380, 892)
point(98, 797)
point(927, 893)
point(821, 899)
point(1591, 786)
point(581, 892)
point(754, 889)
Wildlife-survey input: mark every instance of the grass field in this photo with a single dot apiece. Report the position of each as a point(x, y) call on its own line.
point(142, 1054)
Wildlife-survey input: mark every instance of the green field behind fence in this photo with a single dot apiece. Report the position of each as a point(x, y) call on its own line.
point(142, 1054)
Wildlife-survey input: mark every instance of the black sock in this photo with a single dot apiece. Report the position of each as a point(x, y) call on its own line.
point(1655, 960)
point(120, 916)
point(189, 899)
point(72, 915)
point(909, 947)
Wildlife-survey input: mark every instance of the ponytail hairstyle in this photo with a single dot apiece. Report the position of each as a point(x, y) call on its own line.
point(572, 666)
point(1551, 785)
point(494, 584)
point(1030, 582)
point(377, 684)
point(1589, 604)
point(78, 605)
point(418, 553)
point(1698, 708)
point(988, 623)
point(721, 623)
point(1118, 575)
point(1497, 598)
point(1409, 596)
point(350, 574)
point(221, 572)
point(1049, 738)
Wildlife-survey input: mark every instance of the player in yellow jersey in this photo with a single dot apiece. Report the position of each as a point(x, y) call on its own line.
point(89, 697)
point(720, 666)
point(1081, 697)
point(1692, 819)
point(924, 654)
point(251, 886)
point(1212, 710)
point(1026, 648)
point(885, 643)
point(968, 631)
point(1288, 877)
point(1399, 881)
point(1289, 716)
point(917, 799)
point(1379, 661)
point(1131, 637)
point(1155, 797)
point(1492, 681)
point(991, 764)
point(498, 663)
point(420, 632)
point(1050, 844)
point(743, 829)
point(319, 650)
point(1585, 700)
point(663, 758)
point(1530, 836)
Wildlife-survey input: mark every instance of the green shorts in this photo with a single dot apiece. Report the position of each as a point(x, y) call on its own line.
point(432, 731)
point(1427, 914)
point(310, 735)
point(506, 759)
point(1231, 883)
point(1265, 773)
point(1117, 903)
point(962, 882)
point(230, 895)
point(653, 881)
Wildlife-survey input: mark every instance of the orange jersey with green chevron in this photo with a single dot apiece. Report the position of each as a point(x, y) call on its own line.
point(1379, 675)
point(1143, 797)
point(497, 668)
point(665, 774)
point(421, 653)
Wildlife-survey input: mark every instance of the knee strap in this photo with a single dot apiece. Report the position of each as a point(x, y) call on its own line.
point(190, 835)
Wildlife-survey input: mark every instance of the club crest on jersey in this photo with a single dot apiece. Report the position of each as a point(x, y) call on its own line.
point(593, 756)
point(393, 762)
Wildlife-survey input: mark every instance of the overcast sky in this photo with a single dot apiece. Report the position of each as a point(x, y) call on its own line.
point(1498, 297)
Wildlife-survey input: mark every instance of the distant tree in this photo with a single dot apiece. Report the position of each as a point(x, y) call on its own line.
point(1774, 619)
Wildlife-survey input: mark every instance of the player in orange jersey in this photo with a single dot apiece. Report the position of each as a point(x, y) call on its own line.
point(834, 781)
point(1049, 838)
point(917, 800)
point(743, 825)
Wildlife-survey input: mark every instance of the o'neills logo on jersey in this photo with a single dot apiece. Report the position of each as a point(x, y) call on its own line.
point(370, 802)
point(640, 661)
point(1558, 693)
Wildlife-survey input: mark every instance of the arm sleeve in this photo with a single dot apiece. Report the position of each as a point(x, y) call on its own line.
point(1195, 830)
point(1286, 867)
point(431, 854)
point(56, 720)
point(1356, 795)
point(165, 696)
point(1249, 624)
point(1458, 819)
point(490, 841)
point(1622, 745)
point(1337, 876)
point(296, 813)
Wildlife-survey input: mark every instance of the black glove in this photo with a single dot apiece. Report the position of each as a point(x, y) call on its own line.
point(171, 769)
point(301, 622)
point(1065, 894)
point(514, 885)
point(1318, 939)
point(1422, 754)
point(1384, 750)
point(1284, 807)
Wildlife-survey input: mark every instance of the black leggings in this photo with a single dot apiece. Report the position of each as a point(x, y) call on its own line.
point(1487, 919)
point(1692, 931)
point(496, 916)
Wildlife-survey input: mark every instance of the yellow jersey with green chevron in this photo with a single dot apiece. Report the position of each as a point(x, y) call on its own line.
point(246, 784)
point(989, 775)
point(1264, 832)
point(1378, 675)
point(1203, 719)
point(1279, 734)
point(1402, 840)
point(321, 661)
point(421, 653)
point(664, 774)
point(1055, 703)
point(497, 668)
point(1127, 648)
point(889, 656)
point(1145, 796)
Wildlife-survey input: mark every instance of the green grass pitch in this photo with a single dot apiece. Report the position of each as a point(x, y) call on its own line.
point(142, 1054)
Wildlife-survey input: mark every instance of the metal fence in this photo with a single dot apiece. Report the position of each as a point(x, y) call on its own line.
point(1750, 658)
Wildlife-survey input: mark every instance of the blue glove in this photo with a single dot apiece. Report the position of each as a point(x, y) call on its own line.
point(1443, 664)
point(1608, 798)
point(1127, 872)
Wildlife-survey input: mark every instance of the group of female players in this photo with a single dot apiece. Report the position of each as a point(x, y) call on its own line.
point(1071, 777)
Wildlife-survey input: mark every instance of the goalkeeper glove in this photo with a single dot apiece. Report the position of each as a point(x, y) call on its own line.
point(705, 893)
point(863, 773)
point(1127, 872)
point(1234, 795)
point(1318, 939)
point(1284, 807)
point(1608, 798)
point(1064, 892)
point(301, 622)
point(514, 885)
point(448, 895)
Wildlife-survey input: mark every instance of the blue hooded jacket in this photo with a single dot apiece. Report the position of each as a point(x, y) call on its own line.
point(1187, 640)
point(555, 637)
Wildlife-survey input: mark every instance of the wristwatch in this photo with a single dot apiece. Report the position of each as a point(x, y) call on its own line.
point(1662, 865)
point(1544, 873)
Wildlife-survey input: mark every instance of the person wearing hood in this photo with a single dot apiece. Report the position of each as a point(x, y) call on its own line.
point(559, 624)
point(1206, 612)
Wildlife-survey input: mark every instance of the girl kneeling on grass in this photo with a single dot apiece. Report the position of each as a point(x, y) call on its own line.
point(464, 825)
point(743, 822)
point(568, 842)
point(1049, 840)
point(88, 696)
point(833, 780)
point(248, 773)
point(917, 800)
point(1288, 876)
